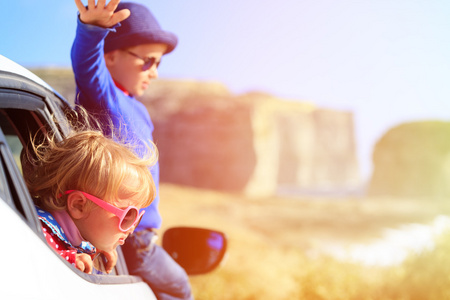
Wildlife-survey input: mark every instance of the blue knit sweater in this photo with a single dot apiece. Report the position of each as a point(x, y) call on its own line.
point(97, 92)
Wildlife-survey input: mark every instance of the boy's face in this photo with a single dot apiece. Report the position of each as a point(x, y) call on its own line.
point(128, 66)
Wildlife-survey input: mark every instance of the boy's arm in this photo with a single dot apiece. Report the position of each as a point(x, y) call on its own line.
point(96, 90)
point(101, 15)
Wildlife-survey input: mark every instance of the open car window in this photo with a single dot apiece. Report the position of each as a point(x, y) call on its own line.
point(29, 110)
point(5, 193)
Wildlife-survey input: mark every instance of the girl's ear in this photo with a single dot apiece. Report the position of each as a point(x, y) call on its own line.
point(76, 205)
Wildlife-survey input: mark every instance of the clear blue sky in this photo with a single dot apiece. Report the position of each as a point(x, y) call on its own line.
point(386, 60)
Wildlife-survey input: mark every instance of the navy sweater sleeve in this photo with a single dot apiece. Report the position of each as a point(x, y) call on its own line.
point(97, 92)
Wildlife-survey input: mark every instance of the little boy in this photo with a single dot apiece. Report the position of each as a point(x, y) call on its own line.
point(115, 55)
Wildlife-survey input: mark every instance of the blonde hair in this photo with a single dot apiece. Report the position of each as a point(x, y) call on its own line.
point(91, 162)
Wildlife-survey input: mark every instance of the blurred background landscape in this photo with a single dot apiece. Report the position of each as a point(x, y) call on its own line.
point(281, 180)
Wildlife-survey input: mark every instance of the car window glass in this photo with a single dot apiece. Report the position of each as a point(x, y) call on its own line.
point(16, 148)
point(17, 126)
point(4, 191)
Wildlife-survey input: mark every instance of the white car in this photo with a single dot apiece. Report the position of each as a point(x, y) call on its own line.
point(31, 268)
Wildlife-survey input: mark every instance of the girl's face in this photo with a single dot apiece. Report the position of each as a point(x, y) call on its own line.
point(101, 227)
point(128, 66)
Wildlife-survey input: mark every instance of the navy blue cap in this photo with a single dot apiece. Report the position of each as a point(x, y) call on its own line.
point(141, 27)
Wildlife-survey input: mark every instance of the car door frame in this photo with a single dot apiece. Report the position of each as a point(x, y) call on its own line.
point(22, 93)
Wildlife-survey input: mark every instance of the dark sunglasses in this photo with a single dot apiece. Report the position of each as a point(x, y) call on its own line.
point(148, 61)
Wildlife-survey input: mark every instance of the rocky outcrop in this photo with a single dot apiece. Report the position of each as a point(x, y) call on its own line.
point(413, 160)
point(251, 143)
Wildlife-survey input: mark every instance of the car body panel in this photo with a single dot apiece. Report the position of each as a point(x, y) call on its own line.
point(31, 270)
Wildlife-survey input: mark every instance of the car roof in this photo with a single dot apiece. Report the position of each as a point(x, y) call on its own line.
point(14, 76)
point(8, 65)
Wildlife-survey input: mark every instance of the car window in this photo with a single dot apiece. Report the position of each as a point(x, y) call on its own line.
point(15, 127)
point(16, 148)
point(27, 111)
point(4, 190)
point(19, 126)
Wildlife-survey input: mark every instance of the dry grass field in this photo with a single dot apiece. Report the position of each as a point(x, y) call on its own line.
point(273, 245)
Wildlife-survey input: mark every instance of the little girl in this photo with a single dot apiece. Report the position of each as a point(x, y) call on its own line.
point(88, 190)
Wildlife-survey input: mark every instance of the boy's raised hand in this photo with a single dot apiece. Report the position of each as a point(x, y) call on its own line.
point(101, 14)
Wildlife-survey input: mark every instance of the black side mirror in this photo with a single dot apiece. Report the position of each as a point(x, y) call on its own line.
point(197, 250)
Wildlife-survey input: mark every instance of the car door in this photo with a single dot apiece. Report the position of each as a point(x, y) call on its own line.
point(30, 267)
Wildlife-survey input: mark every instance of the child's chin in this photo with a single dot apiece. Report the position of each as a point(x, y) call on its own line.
point(139, 92)
point(108, 248)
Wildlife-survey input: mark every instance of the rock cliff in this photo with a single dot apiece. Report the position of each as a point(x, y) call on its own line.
point(413, 160)
point(253, 143)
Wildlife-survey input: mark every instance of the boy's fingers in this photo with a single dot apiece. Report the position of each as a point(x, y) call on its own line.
point(101, 3)
point(91, 4)
point(80, 6)
point(120, 16)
